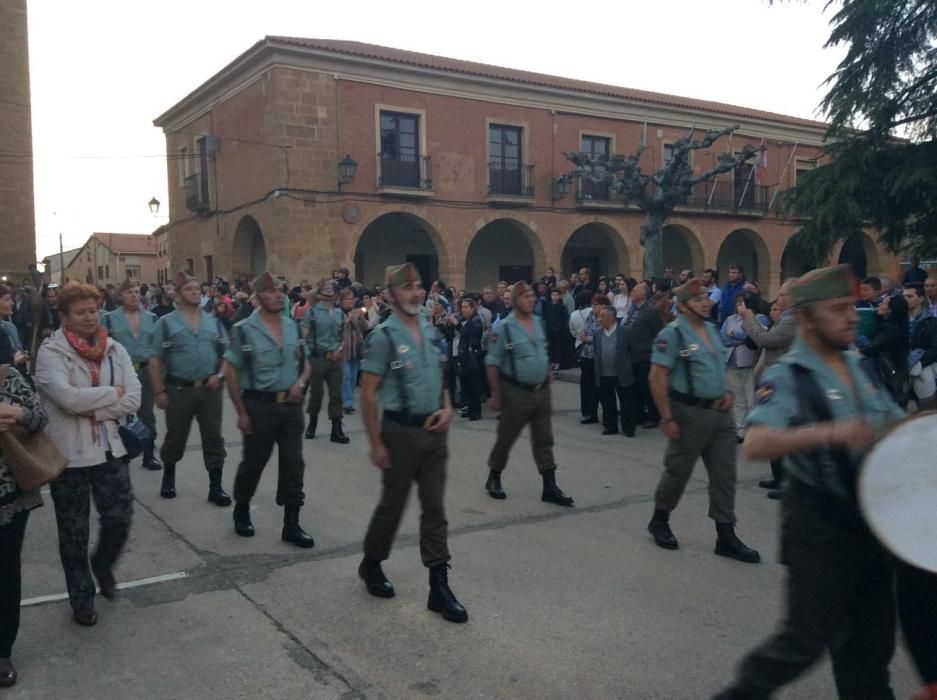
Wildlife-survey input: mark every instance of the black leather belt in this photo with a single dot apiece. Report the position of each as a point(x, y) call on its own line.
point(266, 396)
point(694, 401)
point(141, 365)
point(321, 353)
point(412, 420)
point(187, 383)
point(520, 385)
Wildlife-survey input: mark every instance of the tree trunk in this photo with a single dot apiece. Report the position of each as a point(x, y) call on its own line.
point(652, 235)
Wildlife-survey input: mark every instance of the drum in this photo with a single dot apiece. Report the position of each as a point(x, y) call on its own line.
point(898, 491)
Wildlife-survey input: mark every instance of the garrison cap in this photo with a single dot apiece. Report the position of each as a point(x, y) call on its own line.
point(826, 283)
point(326, 290)
point(519, 289)
point(267, 282)
point(183, 278)
point(688, 290)
point(399, 275)
point(127, 284)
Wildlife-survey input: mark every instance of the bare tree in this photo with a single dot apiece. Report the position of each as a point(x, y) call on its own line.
point(659, 192)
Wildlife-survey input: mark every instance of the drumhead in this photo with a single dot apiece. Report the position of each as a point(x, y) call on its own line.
point(898, 490)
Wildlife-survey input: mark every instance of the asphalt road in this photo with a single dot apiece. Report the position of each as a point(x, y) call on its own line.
point(563, 603)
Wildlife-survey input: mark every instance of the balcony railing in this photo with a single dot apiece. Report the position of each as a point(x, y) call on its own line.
point(729, 195)
point(406, 171)
point(517, 181)
point(590, 191)
point(196, 193)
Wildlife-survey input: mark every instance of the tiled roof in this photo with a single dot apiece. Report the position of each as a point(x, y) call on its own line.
point(128, 243)
point(422, 60)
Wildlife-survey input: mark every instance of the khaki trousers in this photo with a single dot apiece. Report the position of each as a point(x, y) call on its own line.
point(519, 408)
point(331, 374)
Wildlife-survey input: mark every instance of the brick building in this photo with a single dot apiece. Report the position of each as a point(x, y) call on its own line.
point(456, 170)
point(110, 258)
point(18, 223)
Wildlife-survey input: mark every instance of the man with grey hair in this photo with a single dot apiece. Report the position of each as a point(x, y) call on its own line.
point(565, 296)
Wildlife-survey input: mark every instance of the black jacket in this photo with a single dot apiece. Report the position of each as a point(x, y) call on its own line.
point(470, 336)
point(643, 327)
point(925, 338)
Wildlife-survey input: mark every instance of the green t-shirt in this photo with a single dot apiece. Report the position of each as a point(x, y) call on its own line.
point(694, 368)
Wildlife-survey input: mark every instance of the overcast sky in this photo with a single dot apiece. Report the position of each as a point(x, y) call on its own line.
point(102, 70)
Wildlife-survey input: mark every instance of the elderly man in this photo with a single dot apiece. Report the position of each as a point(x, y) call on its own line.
point(613, 377)
point(643, 323)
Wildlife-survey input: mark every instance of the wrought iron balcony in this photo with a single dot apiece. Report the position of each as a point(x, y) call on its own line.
point(590, 191)
point(516, 182)
point(730, 195)
point(406, 171)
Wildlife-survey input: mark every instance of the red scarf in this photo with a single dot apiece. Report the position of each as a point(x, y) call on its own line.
point(91, 353)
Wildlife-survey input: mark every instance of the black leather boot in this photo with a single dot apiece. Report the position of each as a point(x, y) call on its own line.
point(338, 435)
point(493, 485)
point(659, 527)
point(552, 492)
point(216, 494)
point(242, 519)
point(7, 674)
point(729, 545)
point(168, 488)
point(149, 457)
point(292, 532)
point(374, 579)
point(311, 428)
point(441, 597)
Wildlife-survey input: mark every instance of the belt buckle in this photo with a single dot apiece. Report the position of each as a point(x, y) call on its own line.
point(281, 396)
point(198, 383)
point(537, 387)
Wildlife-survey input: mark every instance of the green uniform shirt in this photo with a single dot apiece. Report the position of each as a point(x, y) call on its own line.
point(694, 368)
point(261, 363)
point(139, 346)
point(416, 382)
point(184, 353)
point(325, 335)
point(777, 403)
point(518, 354)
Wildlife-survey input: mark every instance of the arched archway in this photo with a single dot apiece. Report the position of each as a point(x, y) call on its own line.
point(793, 261)
point(392, 239)
point(599, 247)
point(249, 253)
point(745, 247)
point(682, 249)
point(859, 251)
point(504, 249)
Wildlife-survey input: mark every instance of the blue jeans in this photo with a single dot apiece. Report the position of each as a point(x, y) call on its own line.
point(349, 379)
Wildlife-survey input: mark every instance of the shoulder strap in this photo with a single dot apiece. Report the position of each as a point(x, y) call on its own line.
point(509, 347)
point(683, 356)
point(396, 366)
point(107, 322)
point(247, 351)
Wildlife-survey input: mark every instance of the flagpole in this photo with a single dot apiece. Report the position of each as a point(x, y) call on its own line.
point(751, 174)
point(783, 173)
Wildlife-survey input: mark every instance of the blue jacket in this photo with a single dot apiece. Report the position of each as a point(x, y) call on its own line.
point(727, 303)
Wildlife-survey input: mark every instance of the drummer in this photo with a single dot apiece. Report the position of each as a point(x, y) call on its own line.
point(818, 411)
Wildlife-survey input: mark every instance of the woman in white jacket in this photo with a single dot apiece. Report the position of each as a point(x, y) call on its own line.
point(87, 384)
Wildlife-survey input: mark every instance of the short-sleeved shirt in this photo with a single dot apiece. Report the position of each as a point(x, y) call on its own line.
point(777, 401)
point(185, 353)
point(325, 334)
point(519, 354)
point(694, 368)
point(262, 363)
point(414, 382)
point(137, 346)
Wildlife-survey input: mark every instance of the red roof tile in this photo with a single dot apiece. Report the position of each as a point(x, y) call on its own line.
point(128, 243)
point(384, 53)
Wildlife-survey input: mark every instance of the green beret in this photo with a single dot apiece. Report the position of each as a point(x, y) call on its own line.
point(399, 275)
point(688, 290)
point(267, 282)
point(826, 283)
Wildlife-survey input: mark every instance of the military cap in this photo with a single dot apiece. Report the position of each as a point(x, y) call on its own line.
point(399, 275)
point(183, 278)
point(688, 290)
point(267, 282)
point(127, 284)
point(826, 283)
point(326, 290)
point(520, 289)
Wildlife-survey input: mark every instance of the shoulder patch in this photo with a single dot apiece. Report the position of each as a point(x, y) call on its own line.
point(764, 392)
point(660, 345)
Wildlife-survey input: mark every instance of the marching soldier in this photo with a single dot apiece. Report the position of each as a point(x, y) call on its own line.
point(132, 326)
point(322, 332)
point(519, 375)
point(819, 412)
point(267, 375)
point(688, 385)
point(402, 371)
point(187, 369)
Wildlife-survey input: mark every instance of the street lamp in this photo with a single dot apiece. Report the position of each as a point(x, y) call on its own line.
point(153, 204)
point(562, 186)
point(347, 168)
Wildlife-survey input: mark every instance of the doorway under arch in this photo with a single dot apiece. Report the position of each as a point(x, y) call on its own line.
point(249, 253)
point(859, 251)
point(745, 247)
point(682, 249)
point(504, 249)
point(597, 246)
point(393, 239)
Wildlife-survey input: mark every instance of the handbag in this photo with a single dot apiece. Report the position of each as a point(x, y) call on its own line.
point(32, 457)
point(133, 434)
